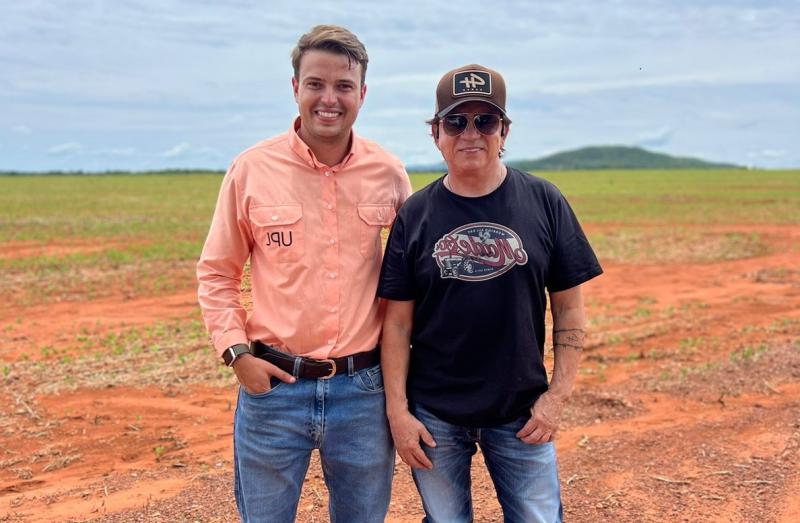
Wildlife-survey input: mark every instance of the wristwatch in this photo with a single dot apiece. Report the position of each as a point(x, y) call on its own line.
point(233, 353)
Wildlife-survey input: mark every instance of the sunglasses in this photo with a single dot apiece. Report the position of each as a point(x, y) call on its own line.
point(455, 124)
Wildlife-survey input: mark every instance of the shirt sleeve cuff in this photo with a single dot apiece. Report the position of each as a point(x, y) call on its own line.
point(230, 338)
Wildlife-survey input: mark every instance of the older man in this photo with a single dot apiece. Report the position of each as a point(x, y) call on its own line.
point(307, 208)
point(466, 270)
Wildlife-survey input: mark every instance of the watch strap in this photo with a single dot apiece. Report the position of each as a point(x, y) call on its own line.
point(233, 352)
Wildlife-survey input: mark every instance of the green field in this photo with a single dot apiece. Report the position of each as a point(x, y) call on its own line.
point(179, 207)
point(120, 206)
point(78, 239)
point(147, 230)
point(679, 196)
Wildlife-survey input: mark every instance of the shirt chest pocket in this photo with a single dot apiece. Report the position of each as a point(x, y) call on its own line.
point(279, 231)
point(372, 218)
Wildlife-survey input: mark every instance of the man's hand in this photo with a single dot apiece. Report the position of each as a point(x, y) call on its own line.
point(407, 431)
point(254, 374)
point(544, 422)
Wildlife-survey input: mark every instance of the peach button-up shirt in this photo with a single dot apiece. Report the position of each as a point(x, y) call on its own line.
point(313, 236)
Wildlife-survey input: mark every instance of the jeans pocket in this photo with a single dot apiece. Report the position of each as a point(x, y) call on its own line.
point(369, 379)
point(274, 383)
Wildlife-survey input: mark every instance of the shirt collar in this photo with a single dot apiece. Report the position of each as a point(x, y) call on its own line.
point(307, 155)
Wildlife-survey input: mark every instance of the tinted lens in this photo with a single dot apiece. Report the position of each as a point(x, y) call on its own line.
point(455, 124)
point(486, 123)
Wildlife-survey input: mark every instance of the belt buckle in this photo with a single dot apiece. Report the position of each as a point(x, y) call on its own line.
point(333, 369)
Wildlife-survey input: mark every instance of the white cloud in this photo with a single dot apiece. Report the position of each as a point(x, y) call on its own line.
point(66, 148)
point(178, 150)
point(708, 74)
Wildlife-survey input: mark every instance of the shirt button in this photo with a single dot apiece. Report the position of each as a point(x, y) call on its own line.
point(329, 206)
point(332, 275)
point(332, 241)
point(330, 342)
point(332, 309)
point(274, 218)
point(327, 173)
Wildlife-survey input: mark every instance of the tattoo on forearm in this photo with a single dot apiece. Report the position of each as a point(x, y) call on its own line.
point(578, 348)
point(572, 338)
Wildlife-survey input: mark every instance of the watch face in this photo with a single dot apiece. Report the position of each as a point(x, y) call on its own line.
point(231, 353)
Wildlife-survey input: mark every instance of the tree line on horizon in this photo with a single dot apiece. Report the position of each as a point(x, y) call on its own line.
point(606, 157)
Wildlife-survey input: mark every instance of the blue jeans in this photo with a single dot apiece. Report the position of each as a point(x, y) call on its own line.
point(525, 476)
point(275, 432)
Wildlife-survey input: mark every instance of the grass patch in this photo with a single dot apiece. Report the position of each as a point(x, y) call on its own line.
point(748, 354)
point(678, 196)
point(752, 368)
point(180, 206)
point(166, 354)
point(86, 282)
point(58, 207)
point(112, 258)
point(675, 245)
point(682, 196)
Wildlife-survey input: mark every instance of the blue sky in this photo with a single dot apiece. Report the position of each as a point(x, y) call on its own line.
point(127, 84)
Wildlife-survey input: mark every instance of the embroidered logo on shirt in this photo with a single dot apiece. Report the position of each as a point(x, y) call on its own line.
point(281, 239)
point(479, 251)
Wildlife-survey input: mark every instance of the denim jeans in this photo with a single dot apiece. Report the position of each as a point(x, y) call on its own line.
point(275, 432)
point(525, 476)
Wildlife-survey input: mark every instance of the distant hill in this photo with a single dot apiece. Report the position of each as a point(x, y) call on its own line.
point(602, 157)
point(614, 157)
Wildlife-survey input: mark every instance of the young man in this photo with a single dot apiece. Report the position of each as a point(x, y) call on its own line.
point(465, 272)
point(307, 208)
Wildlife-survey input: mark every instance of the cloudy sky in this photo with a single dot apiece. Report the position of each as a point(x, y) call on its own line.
point(146, 84)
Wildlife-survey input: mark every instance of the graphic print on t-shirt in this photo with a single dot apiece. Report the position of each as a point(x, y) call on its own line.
point(478, 251)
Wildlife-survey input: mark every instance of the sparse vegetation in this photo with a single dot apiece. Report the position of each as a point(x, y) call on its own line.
point(708, 363)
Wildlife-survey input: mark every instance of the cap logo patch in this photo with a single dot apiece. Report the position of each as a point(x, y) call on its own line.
point(470, 82)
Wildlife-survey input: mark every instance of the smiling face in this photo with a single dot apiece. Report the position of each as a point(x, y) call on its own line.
point(329, 93)
point(471, 152)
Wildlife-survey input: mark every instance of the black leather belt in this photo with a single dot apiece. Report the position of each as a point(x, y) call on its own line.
point(316, 369)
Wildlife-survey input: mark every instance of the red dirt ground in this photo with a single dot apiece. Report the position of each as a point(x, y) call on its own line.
point(29, 249)
point(687, 408)
point(59, 323)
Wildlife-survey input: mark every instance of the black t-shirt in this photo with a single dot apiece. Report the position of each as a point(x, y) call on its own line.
point(477, 270)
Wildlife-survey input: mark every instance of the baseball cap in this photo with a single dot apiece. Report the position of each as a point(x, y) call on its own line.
point(470, 83)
